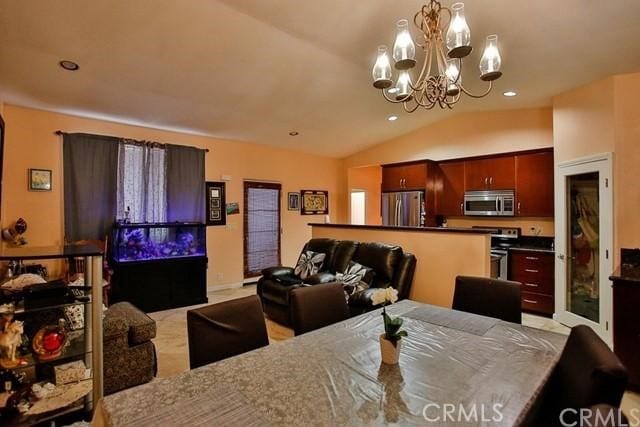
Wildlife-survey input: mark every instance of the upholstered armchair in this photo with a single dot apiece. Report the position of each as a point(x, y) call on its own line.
point(129, 353)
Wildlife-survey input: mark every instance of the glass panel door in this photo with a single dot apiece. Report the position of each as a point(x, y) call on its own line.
point(583, 246)
point(584, 239)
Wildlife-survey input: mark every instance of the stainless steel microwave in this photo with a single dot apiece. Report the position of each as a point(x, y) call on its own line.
point(489, 203)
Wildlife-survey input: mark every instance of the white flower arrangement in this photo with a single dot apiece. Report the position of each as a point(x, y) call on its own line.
point(391, 325)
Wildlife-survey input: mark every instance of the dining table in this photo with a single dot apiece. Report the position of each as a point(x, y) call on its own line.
point(455, 368)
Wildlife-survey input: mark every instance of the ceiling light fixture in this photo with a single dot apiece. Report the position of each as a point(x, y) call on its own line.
point(294, 133)
point(443, 50)
point(392, 118)
point(510, 93)
point(69, 65)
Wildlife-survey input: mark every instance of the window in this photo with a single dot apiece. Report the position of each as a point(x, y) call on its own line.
point(261, 227)
point(142, 183)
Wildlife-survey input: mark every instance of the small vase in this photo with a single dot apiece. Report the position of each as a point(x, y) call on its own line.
point(390, 353)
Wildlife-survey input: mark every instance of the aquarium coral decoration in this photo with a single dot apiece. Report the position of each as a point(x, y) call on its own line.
point(138, 244)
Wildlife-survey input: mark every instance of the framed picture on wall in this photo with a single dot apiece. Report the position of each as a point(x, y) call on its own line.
point(314, 202)
point(293, 201)
point(215, 199)
point(40, 179)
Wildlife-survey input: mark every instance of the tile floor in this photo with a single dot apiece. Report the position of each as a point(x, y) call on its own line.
point(173, 355)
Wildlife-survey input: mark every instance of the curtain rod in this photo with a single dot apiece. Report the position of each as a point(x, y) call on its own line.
point(206, 150)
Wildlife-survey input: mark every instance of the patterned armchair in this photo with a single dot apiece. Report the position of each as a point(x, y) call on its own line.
point(129, 353)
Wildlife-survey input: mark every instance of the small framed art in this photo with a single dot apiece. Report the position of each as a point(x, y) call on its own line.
point(40, 179)
point(314, 202)
point(293, 200)
point(215, 199)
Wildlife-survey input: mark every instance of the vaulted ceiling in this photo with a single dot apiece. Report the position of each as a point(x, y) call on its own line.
point(254, 70)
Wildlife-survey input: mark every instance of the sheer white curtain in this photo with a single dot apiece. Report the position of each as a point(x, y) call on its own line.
point(142, 182)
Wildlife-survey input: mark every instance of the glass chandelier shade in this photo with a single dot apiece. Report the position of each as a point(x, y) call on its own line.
point(458, 34)
point(439, 81)
point(404, 49)
point(382, 76)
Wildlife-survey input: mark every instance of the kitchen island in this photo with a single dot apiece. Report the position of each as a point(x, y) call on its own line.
point(442, 253)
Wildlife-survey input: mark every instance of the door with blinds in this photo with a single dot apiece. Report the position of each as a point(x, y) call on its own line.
point(261, 226)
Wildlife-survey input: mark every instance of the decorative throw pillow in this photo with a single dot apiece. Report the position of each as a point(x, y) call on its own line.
point(309, 264)
point(356, 278)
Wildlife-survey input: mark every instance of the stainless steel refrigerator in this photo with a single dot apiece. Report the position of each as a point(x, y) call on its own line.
point(403, 209)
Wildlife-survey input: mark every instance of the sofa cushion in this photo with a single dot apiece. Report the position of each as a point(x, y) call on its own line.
point(309, 264)
point(324, 246)
point(318, 278)
point(277, 292)
point(142, 328)
point(345, 249)
point(362, 299)
point(382, 258)
point(273, 272)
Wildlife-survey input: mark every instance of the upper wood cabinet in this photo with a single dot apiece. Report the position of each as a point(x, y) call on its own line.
point(494, 173)
point(534, 184)
point(404, 177)
point(450, 194)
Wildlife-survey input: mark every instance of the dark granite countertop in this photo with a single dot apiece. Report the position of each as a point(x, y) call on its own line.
point(417, 229)
point(535, 244)
point(532, 249)
point(627, 273)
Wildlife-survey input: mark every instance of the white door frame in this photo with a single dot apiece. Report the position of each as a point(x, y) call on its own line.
point(603, 164)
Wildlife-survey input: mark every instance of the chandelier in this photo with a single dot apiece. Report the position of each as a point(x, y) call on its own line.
point(443, 86)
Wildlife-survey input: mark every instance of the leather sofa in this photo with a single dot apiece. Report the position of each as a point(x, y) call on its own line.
point(392, 267)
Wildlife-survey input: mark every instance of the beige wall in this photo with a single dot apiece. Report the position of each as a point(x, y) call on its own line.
point(601, 117)
point(441, 257)
point(369, 179)
point(464, 135)
point(31, 142)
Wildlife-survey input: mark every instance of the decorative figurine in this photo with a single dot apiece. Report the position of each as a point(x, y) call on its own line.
point(10, 340)
point(14, 234)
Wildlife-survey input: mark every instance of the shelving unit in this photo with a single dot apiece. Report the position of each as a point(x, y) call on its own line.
point(87, 342)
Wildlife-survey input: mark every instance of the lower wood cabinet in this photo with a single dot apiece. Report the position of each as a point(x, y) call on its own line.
point(536, 271)
point(626, 323)
point(161, 284)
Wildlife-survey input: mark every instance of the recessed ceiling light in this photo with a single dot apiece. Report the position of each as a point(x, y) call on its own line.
point(393, 90)
point(392, 118)
point(69, 65)
point(294, 133)
point(510, 93)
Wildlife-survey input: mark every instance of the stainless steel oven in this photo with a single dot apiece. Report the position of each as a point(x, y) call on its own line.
point(499, 259)
point(489, 203)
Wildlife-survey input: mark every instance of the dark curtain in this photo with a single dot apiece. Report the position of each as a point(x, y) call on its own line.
point(90, 183)
point(185, 184)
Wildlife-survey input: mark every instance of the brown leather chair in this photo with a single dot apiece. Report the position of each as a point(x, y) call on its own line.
point(488, 297)
point(224, 330)
point(588, 373)
point(314, 307)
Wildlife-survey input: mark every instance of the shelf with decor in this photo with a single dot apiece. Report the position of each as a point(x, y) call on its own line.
point(56, 331)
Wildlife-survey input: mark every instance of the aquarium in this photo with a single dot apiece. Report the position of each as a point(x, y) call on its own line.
point(148, 241)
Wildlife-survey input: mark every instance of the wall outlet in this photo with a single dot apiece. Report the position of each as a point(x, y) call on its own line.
point(535, 230)
point(219, 277)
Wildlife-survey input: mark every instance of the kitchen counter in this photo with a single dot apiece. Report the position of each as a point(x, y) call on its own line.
point(411, 229)
point(534, 244)
point(627, 273)
point(532, 249)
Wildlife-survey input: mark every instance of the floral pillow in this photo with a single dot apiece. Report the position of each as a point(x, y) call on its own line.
point(356, 278)
point(309, 264)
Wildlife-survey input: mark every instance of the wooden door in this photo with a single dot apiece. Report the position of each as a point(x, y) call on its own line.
point(451, 194)
point(393, 178)
point(415, 176)
point(534, 184)
point(475, 175)
point(501, 172)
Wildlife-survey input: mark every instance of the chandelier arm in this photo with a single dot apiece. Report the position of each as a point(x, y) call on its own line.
point(395, 101)
point(410, 110)
point(477, 96)
point(426, 67)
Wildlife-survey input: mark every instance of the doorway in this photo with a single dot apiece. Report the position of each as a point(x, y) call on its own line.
point(584, 240)
point(358, 207)
point(262, 245)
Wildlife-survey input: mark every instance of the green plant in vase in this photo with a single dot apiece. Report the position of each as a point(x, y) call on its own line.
point(391, 340)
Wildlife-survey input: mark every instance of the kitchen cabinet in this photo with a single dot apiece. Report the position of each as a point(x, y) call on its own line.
point(536, 271)
point(534, 184)
point(450, 195)
point(493, 173)
point(404, 177)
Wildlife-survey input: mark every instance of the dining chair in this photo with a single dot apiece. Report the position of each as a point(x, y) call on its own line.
point(226, 329)
point(488, 297)
point(314, 307)
point(76, 267)
point(588, 373)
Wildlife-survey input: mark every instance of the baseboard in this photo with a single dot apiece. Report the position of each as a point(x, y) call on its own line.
point(224, 286)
